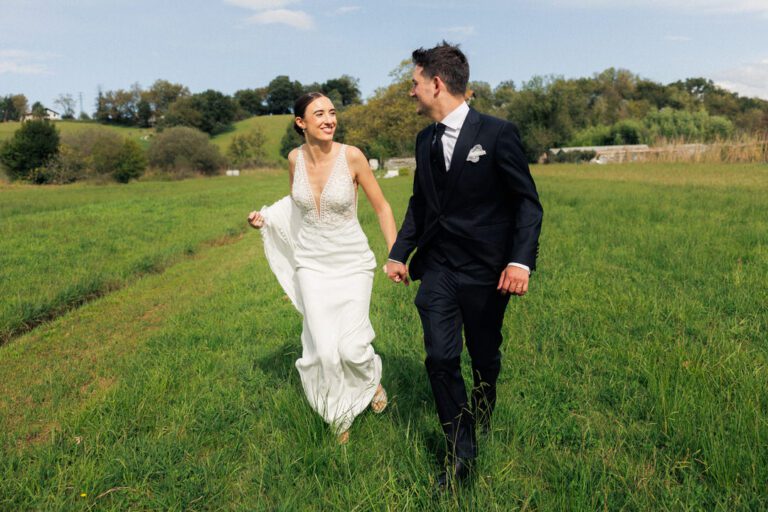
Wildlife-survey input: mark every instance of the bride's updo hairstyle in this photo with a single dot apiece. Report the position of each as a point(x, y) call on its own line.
point(300, 107)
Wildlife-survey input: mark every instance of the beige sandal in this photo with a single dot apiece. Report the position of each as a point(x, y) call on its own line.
point(379, 402)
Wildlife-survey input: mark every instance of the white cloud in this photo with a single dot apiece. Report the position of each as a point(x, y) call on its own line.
point(21, 62)
point(466, 30)
point(748, 80)
point(15, 68)
point(348, 8)
point(269, 12)
point(261, 5)
point(296, 19)
point(701, 6)
point(677, 39)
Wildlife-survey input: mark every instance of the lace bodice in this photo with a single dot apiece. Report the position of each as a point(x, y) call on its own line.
point(338, 200)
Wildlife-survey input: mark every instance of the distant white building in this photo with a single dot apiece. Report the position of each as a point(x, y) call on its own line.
point(50, 115)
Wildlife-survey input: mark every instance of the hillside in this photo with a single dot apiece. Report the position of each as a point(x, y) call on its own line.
point(273, 126)
point(139, 134)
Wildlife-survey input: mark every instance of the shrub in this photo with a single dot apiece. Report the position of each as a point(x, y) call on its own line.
point(599, 135)
point(627, 131)
point(248, 149)
point(131, 162)
point(31, 147)
point(563, 157)
point(106, 152)
point(181, 150)
point(67, 166)
point(102, 153)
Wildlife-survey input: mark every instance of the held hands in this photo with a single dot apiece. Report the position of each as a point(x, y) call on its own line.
point(397, 272)
point(513, 280)
point(256, 219)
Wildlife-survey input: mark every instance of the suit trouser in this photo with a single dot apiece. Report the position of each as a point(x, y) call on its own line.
point(449, 299)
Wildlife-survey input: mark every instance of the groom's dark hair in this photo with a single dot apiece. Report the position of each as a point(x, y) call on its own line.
point(446, 61)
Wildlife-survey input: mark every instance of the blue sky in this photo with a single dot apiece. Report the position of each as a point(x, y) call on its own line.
point(50, 47)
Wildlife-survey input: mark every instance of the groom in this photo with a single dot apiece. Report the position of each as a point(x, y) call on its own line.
point(474, 219)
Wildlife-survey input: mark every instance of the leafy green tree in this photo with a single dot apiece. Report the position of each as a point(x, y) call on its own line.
point(182, 112)
point(31, 147)
point(386, 126)
point(144, 114)
point(281, 93)
point(119, 106)
point(210, 111)
point(481, 97)
point(348, 90)
point(162, 94)
point(217, 109)
point(13, 107)
point(252, 101)
point(38, 110)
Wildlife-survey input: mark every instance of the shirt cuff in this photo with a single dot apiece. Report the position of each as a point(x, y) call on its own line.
point(520, 265)
point(395, 261)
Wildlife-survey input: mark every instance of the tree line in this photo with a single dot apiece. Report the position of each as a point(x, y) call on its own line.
point(609, 108)
point(165, 104)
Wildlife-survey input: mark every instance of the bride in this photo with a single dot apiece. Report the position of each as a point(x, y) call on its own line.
point(315, 246)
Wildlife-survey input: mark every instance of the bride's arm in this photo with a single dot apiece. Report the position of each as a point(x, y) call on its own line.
point(363, 174)
point(255, 218)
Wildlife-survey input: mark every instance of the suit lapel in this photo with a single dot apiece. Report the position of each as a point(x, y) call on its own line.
point(424, 163)
point(466, 138)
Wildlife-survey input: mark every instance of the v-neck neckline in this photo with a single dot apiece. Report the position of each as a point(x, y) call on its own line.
point(318, 203)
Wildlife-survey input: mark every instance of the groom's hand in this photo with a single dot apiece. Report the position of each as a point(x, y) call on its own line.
point(397, 272)
point(513, 280)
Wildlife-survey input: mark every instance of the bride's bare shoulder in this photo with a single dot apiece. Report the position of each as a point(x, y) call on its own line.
point(292, 156)
point(355, 156)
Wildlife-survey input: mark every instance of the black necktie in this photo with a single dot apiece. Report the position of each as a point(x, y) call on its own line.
point(437, 158)
point(436, 151)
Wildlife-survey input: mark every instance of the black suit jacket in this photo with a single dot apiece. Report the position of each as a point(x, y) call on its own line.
point(490, 207)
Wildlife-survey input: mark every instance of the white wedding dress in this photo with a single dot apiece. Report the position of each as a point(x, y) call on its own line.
point(322, 260)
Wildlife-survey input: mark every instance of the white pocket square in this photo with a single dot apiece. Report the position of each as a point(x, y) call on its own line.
point(475, 153)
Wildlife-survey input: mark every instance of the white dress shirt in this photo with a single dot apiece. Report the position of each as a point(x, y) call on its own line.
point(453, 123)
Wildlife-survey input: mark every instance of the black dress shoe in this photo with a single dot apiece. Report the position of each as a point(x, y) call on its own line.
point(458, 473)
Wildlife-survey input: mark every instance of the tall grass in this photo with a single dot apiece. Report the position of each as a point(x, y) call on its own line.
point(633, 374)
point(741, 149)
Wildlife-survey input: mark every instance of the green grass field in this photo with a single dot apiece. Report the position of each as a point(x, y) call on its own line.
point(634, 373)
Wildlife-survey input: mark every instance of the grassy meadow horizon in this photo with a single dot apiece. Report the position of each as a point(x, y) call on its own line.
point(148, 351)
